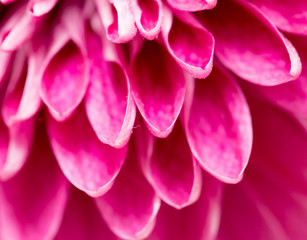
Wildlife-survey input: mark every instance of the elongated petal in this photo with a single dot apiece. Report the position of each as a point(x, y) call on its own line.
point(192, 5)
point(250, 45)
point(33, 202)
point(82, 220)
point(198, 221)
point(16, 150)
point(41, 7)
point(131, 205)
point(109, 104)
point(219, 128)
point(64, 81)
point(118, 20)
point(148, 17)
point(189, 43)
point(273, 190)
point(158, 88)
point(89, 164)
point(290, 16)
point(170, 167)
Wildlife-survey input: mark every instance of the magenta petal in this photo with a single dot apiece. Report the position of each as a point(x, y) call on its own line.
point(82, 220)
point(32, 203)
point(109, 104)
point(39, 8)
point(199, 221)
point(89, 164)
point(290, 16)
point(171, 168)
point(270, 202)
point(17, 148)
point(158, 87)
point(148, 17)
point(192, 5)
point(5, 59)
point(118, 20)
point(190, 44)
point(131, 205)
point(250, 45)
point(219, 128)
point(64, 81)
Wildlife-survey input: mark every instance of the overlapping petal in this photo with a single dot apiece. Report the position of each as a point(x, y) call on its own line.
point(192, 5)
point(89, 164)
point(158, 87)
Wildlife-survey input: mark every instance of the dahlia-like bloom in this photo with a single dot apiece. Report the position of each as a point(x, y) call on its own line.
point(153, 119)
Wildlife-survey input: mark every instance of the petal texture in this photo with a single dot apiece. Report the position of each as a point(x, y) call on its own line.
point(219, 128)
point(131, 205)
point(158, 87)
point(250, 45)
point(89, 164)
point(192, 5)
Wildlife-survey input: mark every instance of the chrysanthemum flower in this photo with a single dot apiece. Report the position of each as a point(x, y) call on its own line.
point(136, 119)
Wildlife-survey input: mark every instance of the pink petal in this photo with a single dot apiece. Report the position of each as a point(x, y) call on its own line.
point(190, 44)
point(32, 203)
point(89, 164)
point(82, 220)
point(64, 81)
point(16, 144)
point(158, 88)
point(131, 205)
point(192, 5)
point(250, 45)
point(148, 17)
point(109, 104)
point(290, 16)
point(198, 222)
point(39, 8)
point(5, 59)
point(117, 18)
point(219, 128)
point(170, 167)
point(270, 202)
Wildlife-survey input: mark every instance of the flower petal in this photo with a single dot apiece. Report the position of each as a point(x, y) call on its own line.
point(158, 87)
point(39, 8)
point(250, 45)
point(118, 20)
point(131, 205)
point(189, 43)
point(89, 164)
point(32, 203)
point(270, 202)
point(290, 16)
point(82, 220)
point(170, 167)
point(5, 59)
point(108, 102)
point(198, 222)
point(64, 81)
point(219, 128)
point(148, 17)
point(192, 5)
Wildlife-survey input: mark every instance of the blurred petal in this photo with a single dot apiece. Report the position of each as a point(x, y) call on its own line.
point(39, 8)
point(198, 222)
point(118, 20)
point(33, 201)
point(82, 220)
point(89, 164)
point(190, 44)
point(290, 16)
point(5, 59)
point(131, 205)
point(270, 202)
point(219, 128)
point(192, 5)
point(148, 17)
point(109, 104)
point(170, 167)
point(158, 87)
point(250, 45)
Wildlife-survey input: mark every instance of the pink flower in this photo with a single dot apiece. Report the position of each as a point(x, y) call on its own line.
point(150, 119)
